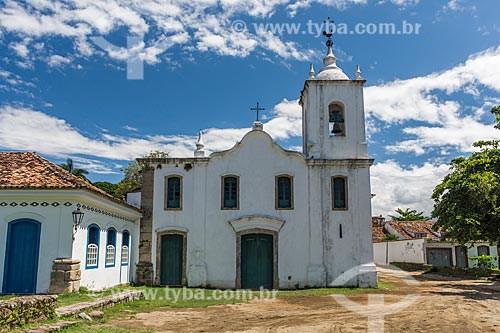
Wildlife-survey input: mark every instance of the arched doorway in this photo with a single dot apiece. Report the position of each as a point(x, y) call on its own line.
point(257, 251)
point(21, 257)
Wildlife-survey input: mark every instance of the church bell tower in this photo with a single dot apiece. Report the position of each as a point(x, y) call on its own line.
point(333, 119)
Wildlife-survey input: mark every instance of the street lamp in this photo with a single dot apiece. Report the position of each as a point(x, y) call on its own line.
point(77, 219)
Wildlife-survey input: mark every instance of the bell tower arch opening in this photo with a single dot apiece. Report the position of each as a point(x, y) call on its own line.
point(336, 119)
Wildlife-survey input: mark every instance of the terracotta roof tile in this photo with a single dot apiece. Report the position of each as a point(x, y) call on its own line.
point(28, 170)
point(378, 232)
point(408, 229)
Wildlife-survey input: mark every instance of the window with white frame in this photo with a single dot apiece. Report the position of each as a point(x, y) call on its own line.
point(110, 248)
point(92, 247)
point(125, 247)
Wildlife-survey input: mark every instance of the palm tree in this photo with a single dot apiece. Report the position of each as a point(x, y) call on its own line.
point(80, 173)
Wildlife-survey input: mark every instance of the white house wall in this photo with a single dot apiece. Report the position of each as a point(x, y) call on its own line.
point(414, 251)
point(103, 277)
point(409, 250)
point(471, 250)
point(55, 235)
point(53, 209)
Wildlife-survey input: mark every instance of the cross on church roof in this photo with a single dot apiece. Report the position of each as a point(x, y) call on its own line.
point(257, 109)
point(328, 33)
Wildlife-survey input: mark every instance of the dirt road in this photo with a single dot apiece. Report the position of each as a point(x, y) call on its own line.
point(443, 305)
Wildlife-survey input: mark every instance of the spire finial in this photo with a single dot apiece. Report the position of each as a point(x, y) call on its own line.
point(199, 152)
point(358, 73)
point(328, 33)
point(330, 58)
point(311, 72)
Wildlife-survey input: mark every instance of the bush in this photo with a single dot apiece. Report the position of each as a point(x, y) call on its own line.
point(485, 262)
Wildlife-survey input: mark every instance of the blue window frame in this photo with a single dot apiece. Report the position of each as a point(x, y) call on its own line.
point(111, 247)
point(92, 256)
point(125, 248)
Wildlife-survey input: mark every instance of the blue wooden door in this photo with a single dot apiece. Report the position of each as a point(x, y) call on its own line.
point(21, 257)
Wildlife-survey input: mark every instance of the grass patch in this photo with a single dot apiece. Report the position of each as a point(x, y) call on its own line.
point(73, 298)
point(6, 297)
point(331, 291)
point(100, 328)
point(84, 295)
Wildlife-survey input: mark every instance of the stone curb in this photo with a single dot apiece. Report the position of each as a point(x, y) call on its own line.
point(101, 303)
point(60, 325)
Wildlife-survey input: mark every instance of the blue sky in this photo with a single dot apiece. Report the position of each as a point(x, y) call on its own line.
point(427, 99)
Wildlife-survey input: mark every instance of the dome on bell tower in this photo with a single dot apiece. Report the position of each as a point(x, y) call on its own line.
point(330, 70)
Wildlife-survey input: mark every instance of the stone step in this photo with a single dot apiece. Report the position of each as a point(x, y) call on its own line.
point(54, 327)
point(101, 303)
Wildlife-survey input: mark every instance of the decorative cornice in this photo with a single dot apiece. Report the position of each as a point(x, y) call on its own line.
point(352, 163)
point(103, 212)
point(257, 221)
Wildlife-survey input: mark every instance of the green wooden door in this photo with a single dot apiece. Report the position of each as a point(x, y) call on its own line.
point(461, 256)
point(171, 260)
point(257, 261)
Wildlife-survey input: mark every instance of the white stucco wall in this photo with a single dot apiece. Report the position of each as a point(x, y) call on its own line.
point(55, 235)
point(316, 98)
point(414, 251)
point(53, 209)
point(408, 250)
point(471, 250)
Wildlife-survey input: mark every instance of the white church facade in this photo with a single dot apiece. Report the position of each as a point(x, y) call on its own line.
point(257, 215)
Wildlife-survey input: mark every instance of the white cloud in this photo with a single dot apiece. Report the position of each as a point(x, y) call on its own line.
point(26, 129)
point(58, 61)
point(429, 99)
point(185, 23)
point(397, 187)
point(21, 48)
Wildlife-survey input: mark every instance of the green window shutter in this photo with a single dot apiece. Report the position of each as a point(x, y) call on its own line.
point(230, 192)
point(174, 192)
point(284, 192)
point(339, 193)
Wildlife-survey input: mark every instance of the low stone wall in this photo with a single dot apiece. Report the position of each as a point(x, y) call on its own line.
point(101, 303)
point(23, 310)
point(65, 276)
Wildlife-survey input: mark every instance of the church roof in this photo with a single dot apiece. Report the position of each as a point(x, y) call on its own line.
point(28, 170)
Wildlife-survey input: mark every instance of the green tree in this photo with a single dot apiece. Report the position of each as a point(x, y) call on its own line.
point(408, 215)
point(132, 175)
point(80, 173)
point(467, 201)
point(132, 179)
point(107, 187)
point(389, 238)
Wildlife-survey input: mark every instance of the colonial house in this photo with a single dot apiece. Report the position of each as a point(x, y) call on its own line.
point(258, 215)
point(419, 243)
point(59, 232)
